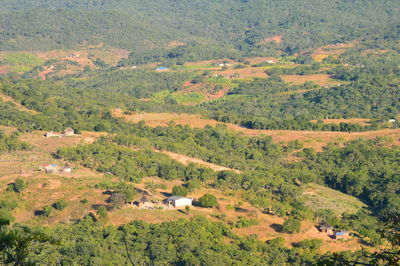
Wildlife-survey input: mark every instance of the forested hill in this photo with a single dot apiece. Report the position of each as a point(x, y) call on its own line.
point(239, 24)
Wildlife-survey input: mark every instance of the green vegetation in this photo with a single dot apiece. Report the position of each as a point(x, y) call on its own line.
point(208, 201)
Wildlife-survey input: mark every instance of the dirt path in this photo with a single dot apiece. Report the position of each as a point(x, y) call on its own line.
point(187, 160)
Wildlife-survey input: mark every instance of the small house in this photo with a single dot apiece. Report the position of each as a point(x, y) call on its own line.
point(67, 169)
point(51, 169)
point(69, 132)
point(178, 201)
point(342, 234)
point(51, 134)
point(326, 228)
point(392, 120)
point(145, 203)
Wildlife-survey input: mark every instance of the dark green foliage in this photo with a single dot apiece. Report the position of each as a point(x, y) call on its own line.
point(102, 212)
point(208, 201)
point(179, 191)
point(6, 217)
point(291, 225)
point(60, 205)
point(47, 210)
point(11, 143)
point(243, 222)
point(18, 186)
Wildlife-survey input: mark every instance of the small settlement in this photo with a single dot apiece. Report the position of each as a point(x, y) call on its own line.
point(332, 232)
point(55, 169)
point(172, 202)
point(68, 132)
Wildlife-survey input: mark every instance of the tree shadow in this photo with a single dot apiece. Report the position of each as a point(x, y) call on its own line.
point(38, 213)
point(277, 227)
point(166, 194)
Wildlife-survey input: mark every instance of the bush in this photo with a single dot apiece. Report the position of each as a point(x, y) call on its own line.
point(6, 217)
point(311, 244)
point(208, 201)
point(102, 212)
point(47, 211)
point(291, 225)
point(18, 186)
point(8, 204)
point(179, 191)
point(60, 205)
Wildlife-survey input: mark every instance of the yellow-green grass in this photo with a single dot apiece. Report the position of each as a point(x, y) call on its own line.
point(320, 197)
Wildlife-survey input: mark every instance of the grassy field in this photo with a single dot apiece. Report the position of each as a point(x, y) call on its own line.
point(320, 197)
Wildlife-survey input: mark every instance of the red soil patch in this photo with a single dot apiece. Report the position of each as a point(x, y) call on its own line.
point(320, 79)
point(4, 69)
point(277, 39)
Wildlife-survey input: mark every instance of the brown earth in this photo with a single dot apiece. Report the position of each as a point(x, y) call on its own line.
point(277, 39)
point(250, 72)
point(320, 79)
point(331, 50)
point(258, 60)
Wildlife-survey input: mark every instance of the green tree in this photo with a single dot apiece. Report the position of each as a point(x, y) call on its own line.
point(60, 205)
point(47, 210)
point(179, 191)
point(291, 225)
point(208, 201)
point(102, 212)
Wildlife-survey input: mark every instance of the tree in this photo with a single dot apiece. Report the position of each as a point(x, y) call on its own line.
point(18, 186)
point(102, 212)
point(291, 225)
point(208, 201)
point(6, 217)
point(117, 200)
point(179, 191)
point(47, 210)
point(60, 205)
point(187, 210)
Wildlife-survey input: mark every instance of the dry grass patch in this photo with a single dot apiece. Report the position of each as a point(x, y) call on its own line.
point(331, 50)
point(320, 79)
point(250, 72)
point(358, 121)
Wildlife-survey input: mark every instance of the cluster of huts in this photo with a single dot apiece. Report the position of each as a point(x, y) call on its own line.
point(332, 232)
point(172, 202)
point(55, 169)
point(68, 132)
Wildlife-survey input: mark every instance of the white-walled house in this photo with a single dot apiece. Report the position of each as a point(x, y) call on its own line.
point(178, 201)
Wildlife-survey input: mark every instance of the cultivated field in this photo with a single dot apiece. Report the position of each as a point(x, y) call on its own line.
point(320, 79)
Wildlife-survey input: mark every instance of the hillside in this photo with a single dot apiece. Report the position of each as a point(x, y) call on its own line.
point(176, 132)
point(238, 25)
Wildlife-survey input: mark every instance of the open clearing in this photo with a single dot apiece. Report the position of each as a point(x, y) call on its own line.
point(250, 72)
point(310, 139)
point(187, 160)
point(320, 197)
point(320, 79)
point(331, 50)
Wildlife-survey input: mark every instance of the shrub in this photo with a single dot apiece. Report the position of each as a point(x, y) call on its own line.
point(179, 191)
point(6, 217)
point(60, 205)
point(291, 225)
point(208, 201)
point(47, 211)
point(102, 212)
